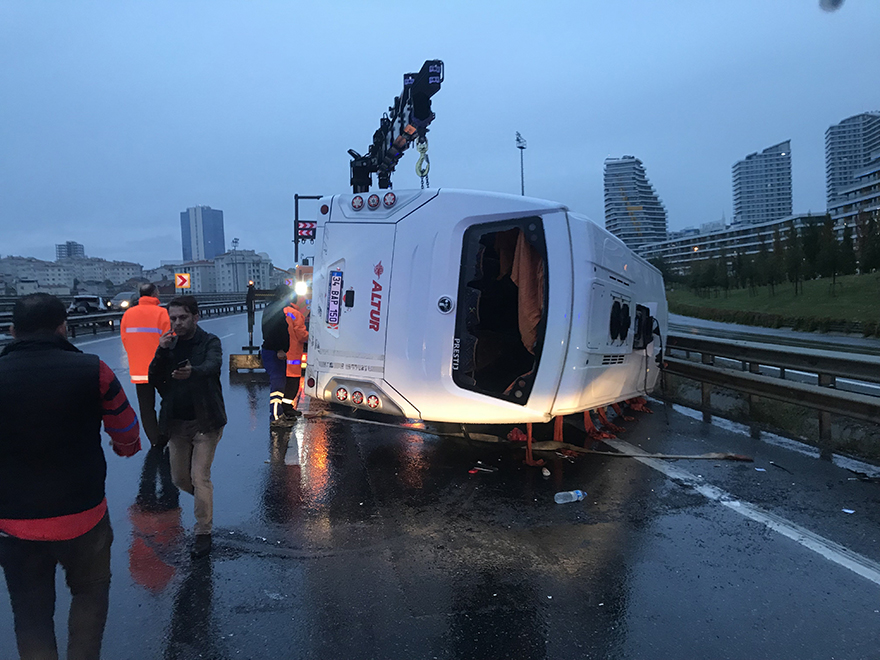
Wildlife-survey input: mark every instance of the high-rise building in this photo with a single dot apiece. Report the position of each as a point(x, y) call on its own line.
point(762, 185)
point(69, 250)
point(850, 146)
point(201, 233)
point(633, 212)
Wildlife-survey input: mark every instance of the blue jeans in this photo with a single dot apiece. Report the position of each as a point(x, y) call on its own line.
point(30, 577)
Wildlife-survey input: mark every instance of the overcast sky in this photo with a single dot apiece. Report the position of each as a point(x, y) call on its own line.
point(116, 116)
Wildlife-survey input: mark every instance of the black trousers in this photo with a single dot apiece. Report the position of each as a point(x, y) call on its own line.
point(146, 395)
point(29, 567)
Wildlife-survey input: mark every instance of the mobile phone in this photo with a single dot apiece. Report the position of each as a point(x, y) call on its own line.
point(182, 364)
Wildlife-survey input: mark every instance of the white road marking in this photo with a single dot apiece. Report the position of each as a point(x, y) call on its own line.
point(225, 336)
point(832, 551)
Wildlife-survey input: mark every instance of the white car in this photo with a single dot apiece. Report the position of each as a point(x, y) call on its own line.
point(463, 306)
point(87, 304)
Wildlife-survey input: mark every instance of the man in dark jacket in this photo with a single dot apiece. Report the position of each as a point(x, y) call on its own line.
point(53, 399)
point(186, 372)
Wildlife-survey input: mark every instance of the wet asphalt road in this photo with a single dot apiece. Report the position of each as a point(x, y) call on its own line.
point(336, 539)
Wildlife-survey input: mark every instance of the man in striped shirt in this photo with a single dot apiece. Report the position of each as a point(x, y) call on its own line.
point(141, 328)
point(53, 510)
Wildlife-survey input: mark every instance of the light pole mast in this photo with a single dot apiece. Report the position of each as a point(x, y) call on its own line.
point(521, 145)
point(235, 264)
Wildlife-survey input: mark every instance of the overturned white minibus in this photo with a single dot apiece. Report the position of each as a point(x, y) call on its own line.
point(473, 307)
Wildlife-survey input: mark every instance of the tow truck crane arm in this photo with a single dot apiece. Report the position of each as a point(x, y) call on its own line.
point(406, 120)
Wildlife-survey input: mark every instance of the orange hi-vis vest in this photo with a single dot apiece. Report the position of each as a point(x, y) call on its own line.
point(141, 328)
point(296, 328)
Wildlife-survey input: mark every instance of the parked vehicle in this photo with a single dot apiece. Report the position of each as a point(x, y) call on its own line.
point(87, 304)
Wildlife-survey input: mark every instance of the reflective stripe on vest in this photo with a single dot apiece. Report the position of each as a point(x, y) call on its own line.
point(294, 362)
point(157, 331)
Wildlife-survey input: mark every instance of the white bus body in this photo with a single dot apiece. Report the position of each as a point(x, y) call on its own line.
point(416, 311)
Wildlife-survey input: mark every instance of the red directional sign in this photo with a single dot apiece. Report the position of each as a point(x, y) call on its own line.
point(182, 280)
point(306, 229)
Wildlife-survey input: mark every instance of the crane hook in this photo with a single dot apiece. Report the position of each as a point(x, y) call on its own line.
point(423, 164)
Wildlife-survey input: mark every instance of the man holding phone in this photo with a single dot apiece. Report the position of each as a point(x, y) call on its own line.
point(186, 372)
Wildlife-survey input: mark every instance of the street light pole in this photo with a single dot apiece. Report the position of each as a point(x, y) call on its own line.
point(521, 145)
point(234, 264)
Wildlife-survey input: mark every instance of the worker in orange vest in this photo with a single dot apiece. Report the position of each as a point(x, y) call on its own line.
point(141, 328)
point(296, 329)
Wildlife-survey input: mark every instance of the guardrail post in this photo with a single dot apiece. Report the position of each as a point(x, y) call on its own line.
point(706, 391)
point(754, 431)
point(825, 452)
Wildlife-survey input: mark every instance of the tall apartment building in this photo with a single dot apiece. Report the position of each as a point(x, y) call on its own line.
point(69, 250)
point(762, 185)
point(201, 233)
point(633, 212)
point(861, 199)
point(850, 146)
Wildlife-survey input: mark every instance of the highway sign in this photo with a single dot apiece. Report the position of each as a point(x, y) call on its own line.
point(182, 280)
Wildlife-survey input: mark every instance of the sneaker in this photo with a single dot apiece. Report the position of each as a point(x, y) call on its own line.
point(202, 546)
point(293, 413)
point(284, 420)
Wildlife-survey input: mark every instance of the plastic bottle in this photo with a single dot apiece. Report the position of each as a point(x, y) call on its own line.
point(569, 496)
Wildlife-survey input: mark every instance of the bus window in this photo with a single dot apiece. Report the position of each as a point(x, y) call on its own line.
point(501, 312)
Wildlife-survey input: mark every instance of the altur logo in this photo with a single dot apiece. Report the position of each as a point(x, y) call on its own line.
point(376, 306)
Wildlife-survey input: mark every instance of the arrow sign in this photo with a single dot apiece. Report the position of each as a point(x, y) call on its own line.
point(182, 280)
point(306, 229)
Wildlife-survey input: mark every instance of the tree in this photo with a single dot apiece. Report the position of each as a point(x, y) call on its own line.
point(869, 241)
point(810, 241)
point(660, 264)
point(763, 266)
point(794, 258)
point(848, 264)
point(740, 276)
point(776, 263)
point(828, 258)
point(722, 273)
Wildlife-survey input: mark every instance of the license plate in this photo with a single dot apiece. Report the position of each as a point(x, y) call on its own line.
point(334, 298)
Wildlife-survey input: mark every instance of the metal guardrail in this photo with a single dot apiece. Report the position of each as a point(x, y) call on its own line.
point(7, 302)
point(78, 325)
point(827, 366)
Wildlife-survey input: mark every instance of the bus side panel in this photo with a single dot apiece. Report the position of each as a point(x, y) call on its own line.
point(602, 369)
point(427, 267)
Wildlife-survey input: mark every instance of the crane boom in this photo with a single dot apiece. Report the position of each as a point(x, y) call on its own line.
point(406, 120)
